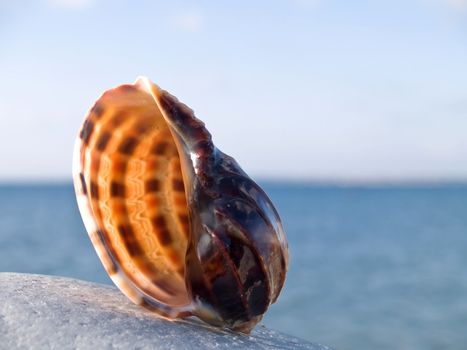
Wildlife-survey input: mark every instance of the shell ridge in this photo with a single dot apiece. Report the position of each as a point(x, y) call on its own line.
point(251, 243)
point(232, 268)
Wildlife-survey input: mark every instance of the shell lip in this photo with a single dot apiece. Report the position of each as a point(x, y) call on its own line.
point(181, 121)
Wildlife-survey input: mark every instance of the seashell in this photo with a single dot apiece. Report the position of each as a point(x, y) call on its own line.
point(179, 227)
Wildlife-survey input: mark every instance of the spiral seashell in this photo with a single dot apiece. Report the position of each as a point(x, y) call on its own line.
point(178, 225)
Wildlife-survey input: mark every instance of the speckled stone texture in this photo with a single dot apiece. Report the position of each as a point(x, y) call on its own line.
point(45, 312)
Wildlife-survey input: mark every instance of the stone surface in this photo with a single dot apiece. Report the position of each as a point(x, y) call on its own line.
point(44, 312)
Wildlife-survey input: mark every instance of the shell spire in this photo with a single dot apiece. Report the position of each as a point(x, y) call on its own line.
point(179, 226)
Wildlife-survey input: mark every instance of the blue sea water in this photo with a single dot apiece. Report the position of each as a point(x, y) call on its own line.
point(370, 268)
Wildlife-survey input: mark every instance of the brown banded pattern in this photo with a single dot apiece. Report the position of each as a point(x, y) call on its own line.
point(123, 175)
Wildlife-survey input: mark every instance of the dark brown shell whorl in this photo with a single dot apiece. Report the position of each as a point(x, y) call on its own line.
point(179, 226)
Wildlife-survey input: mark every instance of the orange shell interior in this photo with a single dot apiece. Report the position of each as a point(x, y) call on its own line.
point(135, 189)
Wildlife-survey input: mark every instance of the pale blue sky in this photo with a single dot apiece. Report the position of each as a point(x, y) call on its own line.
point(302, 89)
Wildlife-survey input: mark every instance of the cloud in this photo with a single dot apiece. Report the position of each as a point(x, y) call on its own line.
point(307, 3)
point(71, 4)
point(188, 21)
point(456, 5)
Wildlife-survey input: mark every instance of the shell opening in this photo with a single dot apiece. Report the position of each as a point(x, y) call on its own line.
point(130, 171)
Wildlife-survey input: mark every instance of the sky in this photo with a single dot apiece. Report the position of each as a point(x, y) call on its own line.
point(313, 90)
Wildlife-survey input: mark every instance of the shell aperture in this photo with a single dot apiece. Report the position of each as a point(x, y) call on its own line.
point(179, 227)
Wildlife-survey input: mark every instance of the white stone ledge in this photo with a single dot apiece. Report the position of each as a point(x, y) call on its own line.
point(45, 312)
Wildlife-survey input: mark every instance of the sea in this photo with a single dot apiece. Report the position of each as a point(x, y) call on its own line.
point(371, 266)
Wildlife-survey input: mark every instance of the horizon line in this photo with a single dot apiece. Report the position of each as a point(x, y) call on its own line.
point(312, 182)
